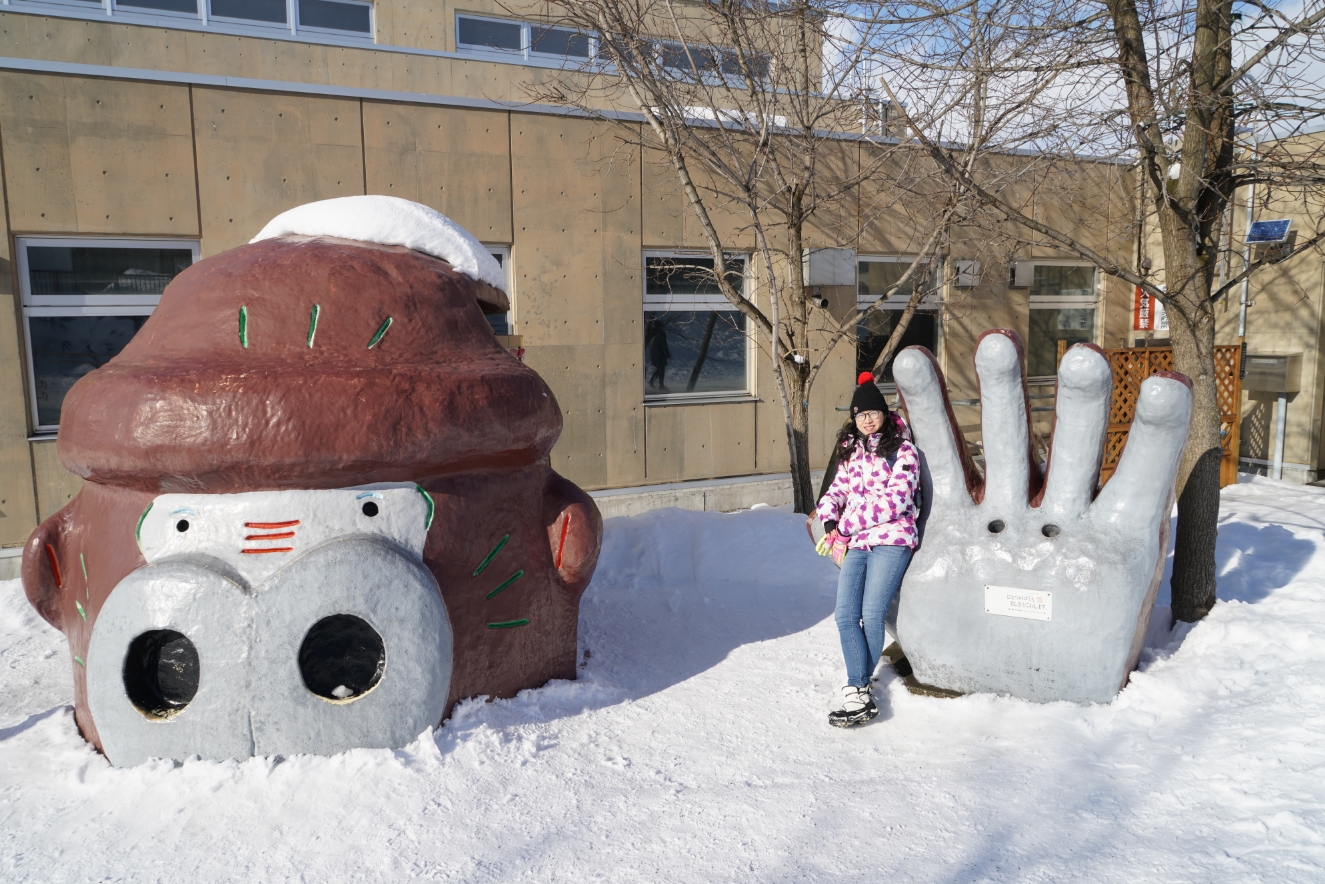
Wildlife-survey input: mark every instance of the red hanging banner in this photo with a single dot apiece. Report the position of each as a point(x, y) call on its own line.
point(1147, 312)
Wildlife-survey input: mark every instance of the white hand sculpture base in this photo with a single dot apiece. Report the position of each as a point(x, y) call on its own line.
point(1038, 589)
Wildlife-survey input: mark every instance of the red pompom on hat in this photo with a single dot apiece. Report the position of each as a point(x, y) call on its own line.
point(867, 396)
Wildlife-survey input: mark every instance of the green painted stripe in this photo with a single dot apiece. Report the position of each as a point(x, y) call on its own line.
point(381, 331)
point(83, 562)
point(432, 507)
point(243, 327)
point(312, 323)
point(492, 555)
point(81, 612)
point(514, 577)
point(79, 661)
point(138, 532)
point(508, 624)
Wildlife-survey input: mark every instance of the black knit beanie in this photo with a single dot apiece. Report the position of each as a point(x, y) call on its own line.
point(867, 396)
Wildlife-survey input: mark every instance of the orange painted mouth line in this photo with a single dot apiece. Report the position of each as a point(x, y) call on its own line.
point(249, 552)
point(268, 525)
point(280, 536)
point(55, 566)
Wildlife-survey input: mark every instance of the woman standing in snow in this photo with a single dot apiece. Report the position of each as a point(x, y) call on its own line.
point(869, 513)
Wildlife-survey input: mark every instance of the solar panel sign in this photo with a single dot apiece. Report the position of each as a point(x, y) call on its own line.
point(1268, 232)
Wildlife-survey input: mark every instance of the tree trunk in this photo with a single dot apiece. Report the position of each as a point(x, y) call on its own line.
point(798, 438)
point(1192, 331)
point(703, 352)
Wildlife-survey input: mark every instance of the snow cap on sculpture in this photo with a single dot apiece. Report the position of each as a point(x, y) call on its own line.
point(390, 221)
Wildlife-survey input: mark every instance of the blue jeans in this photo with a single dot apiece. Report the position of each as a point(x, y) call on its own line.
point(865, 589)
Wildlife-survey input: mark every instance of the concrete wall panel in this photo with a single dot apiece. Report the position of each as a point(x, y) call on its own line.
point(56, 486)
point(575, 374)
point(97, 156)
point(18, 506)
point(699, 441)
point(260, 154)
point(576, 258)
point(457, 161)
point(624, 413)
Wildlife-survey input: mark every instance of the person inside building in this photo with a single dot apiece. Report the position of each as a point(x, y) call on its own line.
point(868, 509)
point(655, 343)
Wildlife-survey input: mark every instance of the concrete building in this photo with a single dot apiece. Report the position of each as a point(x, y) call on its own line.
point(138, 137)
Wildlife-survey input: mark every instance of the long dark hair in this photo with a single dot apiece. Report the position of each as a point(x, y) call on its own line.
point(848, 437)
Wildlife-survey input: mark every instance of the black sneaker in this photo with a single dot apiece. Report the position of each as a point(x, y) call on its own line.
point(857, 707)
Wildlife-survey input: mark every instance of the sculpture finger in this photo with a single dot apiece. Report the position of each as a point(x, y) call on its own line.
point(923, 394)
point(1085, 381)
point(1139, 490)
point(1011, 475)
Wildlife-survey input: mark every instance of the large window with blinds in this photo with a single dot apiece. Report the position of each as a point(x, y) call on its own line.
point(695, 342)
point(1063, 305)
point(876, 277)
point(335, 20)
point(83, 300)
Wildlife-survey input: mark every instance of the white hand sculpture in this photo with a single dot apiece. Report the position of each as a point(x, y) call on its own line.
point(1026, 587)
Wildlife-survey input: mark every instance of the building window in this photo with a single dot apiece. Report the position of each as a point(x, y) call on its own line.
point(187, 7)
point(501, 322)
point(877, 276)
point(522, 38)
point(333, 18)
point(695, 345)
point(708, 62)
point(271, 11)
point(335, 15)
point(83, 300)
point(1062, 308)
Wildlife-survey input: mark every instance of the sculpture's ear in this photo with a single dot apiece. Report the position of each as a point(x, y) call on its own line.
point(44, 568)
point(574, 531)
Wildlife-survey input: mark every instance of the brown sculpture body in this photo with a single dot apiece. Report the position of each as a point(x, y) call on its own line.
point(304, 363)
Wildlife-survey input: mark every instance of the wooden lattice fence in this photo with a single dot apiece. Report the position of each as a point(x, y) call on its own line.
point(1133, 365)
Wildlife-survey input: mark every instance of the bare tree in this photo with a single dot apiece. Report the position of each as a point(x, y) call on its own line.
point(1165, 87)
point(766, 145)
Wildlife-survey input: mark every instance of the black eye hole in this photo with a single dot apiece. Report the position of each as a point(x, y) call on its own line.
point(997, 526)
point(182, 525)
point(342, 657)
point(369, 509)
point(1050, 531)
point(161, 671)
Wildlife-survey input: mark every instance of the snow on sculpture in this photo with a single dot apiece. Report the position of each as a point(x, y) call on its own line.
point(319, 508)
point(1033, 586)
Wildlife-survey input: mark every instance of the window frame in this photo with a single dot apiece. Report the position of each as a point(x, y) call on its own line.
point(301, 28)
point(526, 50)
point(116, 304)
point(117, 8)
point(933, 303)
point(718, 303)
point(503, 255)
point(1093, 301)
point(202, 16)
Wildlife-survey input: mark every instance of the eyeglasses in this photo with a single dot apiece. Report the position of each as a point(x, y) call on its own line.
point(869, 415)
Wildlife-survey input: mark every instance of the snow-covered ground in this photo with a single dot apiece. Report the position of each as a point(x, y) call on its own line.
point(694, 747)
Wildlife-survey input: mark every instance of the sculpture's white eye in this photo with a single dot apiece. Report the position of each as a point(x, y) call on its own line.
point(183, 519)
point(369, 503)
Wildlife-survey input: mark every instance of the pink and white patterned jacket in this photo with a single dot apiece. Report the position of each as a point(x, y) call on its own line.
point(871, 502)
